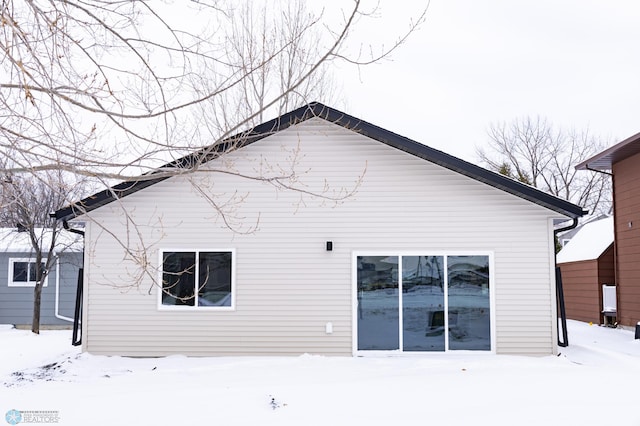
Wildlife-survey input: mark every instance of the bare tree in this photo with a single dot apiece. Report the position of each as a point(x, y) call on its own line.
point(112, 90)
point(533, 151)
point(148, 76)
point(249, 40)
point(25, 203)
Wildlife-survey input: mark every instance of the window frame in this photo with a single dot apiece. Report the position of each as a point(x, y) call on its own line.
point(195, 307)
point(28, 283)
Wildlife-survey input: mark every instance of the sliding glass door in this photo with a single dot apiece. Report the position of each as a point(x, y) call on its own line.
point(468, 302)
point(378, 303)
point(423, 303)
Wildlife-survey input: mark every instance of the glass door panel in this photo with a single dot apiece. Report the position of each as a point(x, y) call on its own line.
point(378, 303)
point(468, 302)
point(423, 303)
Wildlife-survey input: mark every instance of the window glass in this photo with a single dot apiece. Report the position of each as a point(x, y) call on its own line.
point(20, 270)
point(178, 278)
point(214, 284)
point(33, 276)
point(378, 303)
point(423, 303)
point(469, 304)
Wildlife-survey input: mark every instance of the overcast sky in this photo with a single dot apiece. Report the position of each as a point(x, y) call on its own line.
point(473, 63)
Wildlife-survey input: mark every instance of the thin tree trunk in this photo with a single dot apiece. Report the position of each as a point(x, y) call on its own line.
point(37, 296)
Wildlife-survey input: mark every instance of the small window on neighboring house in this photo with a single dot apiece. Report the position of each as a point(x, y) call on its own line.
point(23, 273)
point(197, 279)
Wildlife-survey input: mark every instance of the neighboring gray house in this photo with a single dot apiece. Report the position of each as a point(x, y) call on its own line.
point(566, 236)
point(426, 252)
point(17, 280)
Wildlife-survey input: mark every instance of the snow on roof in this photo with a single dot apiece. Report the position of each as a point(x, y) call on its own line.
point(588, 243)
point(19, 242)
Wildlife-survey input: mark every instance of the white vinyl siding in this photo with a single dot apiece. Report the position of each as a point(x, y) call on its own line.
point(287, 286)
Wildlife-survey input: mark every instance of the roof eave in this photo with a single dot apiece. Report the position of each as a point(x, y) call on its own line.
point(605, 159)
point(102, 198)
point(465, 168)
point(319, 110)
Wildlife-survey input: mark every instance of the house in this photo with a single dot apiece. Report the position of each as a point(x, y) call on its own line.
point(403, 249)
point(587, 264)
point(17, 279)
point(565, 236)
point(622, 161)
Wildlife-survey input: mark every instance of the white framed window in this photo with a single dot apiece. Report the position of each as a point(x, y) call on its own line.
point(22, 272)
point(197, 279)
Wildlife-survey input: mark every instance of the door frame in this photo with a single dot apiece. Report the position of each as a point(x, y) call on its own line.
point(400, 253)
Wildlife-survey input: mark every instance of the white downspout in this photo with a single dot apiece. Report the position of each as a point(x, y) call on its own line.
point(57, 300)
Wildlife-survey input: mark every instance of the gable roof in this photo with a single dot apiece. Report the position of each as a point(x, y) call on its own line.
point(339, 118)
point(589, 243)
point(605, 159)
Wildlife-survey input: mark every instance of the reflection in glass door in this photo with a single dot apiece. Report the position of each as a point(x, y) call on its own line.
point(378, 303)
point(468, 298)
point(423, 303)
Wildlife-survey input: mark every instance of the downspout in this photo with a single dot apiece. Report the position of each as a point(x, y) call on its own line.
point(76, 339)
point(66, 226)
point(56, 312)
point(559, 290)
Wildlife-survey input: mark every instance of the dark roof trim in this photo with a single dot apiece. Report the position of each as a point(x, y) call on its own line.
point(334, 116)
point(618, 152)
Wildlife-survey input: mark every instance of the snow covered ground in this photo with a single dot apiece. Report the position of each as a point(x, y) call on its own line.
point(592, 382)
